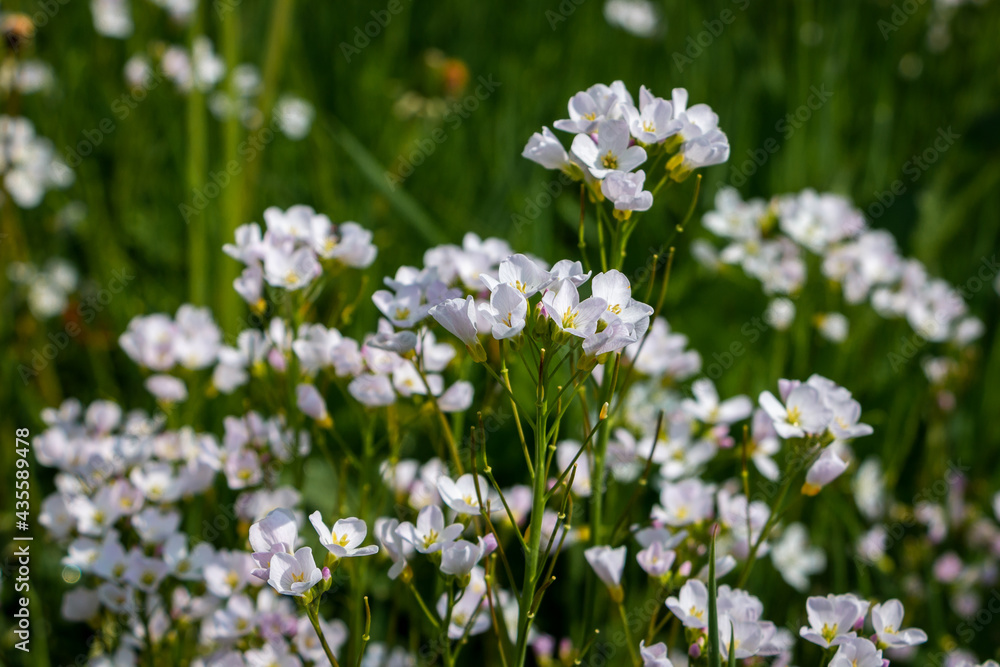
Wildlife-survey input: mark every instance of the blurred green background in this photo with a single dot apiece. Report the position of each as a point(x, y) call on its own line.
point(891, 91)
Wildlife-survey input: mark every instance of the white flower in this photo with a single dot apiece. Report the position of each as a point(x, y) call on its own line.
point(294, 574)
point(588, 108)
point(832, 619)
point(613, 287)
point(615, 336)
point(707, 409)
point(311, 404)
point(461, 496)
point(149, 341)
point(857, 652)
point(227, 573)
point(404, 308)
point(607, 563)
point(656, 560)
point(691, 605)
point(684, 503)
point(145, 573)
point(457, 397)
point(803, 412)
point(268, 655)
point(653, 121)
point(276, 533)
point(372, 390)
point(520, 272)
point(795, 559)
point(167, 388)
point(430, 534)
point(387, 532)
point(80, 604)
point(611, 152)
point(458, 558)
point(565, 269)
point(746, 637)
point(833, 326)
point(294, 116)
point(828, 467)
point(780, 313)
point(563, 306)
point(307, 641)
point(399, 342)
point(625, 191)
point(459, 317)
point(887, 619)
point(112, 18)
point(290, 269)
point(506, 312)
point(546, 150)
point(344, 540)
point(655, 655)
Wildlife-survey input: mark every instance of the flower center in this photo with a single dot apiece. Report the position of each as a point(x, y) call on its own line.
point(610, 160)
point(794, 415)
point(430, 538)
point(569, 319)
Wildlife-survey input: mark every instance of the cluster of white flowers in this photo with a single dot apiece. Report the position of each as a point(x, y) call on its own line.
point(26, 76)
point(29, 163)
point(129, 487)
point(121, 482)
point(113, 18)
point(202, 69)
point(613, 137)
point(288, 254)
point(48, 288)
point(769, 241)
point(639, 17)
point(606, 322)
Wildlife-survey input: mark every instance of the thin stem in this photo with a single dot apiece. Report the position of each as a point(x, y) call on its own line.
point(445, 426)
point(582, 243)
point(483, 510)
point(628, 635)
point(641, 484)
point(517, 419)
point(313, 613)
point(509, 392)
point(533, 552)
point(771, 521)
point(368, 632)
point(423, 605)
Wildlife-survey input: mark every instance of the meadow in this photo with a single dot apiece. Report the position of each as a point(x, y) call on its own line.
point(787, 394)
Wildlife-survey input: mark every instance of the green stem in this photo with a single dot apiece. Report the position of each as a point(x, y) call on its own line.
point(423, 605)
point(771, 521)
point(197, 156)
point(313, 615)
point(628, 636)
point(537, 510)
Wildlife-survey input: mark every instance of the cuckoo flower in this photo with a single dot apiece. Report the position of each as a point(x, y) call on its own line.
point(294, 574)
point(345, 538)
point(611, 152)
point(430, 534)
point(571, 315)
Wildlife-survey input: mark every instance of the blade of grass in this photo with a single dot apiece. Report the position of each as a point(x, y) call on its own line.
point(371, 169)
point(714, 651)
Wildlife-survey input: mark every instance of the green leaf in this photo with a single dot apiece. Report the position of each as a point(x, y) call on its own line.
point(714, 651)
point(732, 642)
